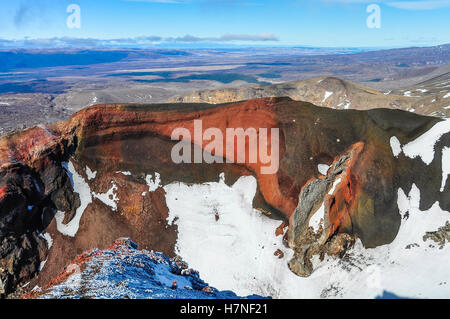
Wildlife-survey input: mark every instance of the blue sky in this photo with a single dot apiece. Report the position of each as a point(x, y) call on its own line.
point(325, 23)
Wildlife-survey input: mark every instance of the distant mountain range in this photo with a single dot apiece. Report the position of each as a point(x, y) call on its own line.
point(431, 97)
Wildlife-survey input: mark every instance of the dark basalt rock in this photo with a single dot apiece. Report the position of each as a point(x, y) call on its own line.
point(59, 190)
point(441, 236)
point(20, 259)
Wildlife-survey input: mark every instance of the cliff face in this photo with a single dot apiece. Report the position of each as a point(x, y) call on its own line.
point(100, 175)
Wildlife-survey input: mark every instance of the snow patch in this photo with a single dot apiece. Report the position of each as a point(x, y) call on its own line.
point(323, 168)
point(423, 146)
point(94, 101)
point(346, 104)
point(327, 95)
point(124, 173)
point(90, 174)
point(42, 264)
point(395, 146)
point(408, 94)
point(445, 166)
point(110, 197)
point(82, 188)
point(335, 184)
point(49, 240)
point(153, 183)
point(446, 96)
point(318, 216)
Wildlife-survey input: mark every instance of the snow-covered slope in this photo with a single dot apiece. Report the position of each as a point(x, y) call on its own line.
point(123, 271)
point(233, 246)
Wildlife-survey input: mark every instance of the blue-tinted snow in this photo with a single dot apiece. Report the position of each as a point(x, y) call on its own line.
point(126, 272)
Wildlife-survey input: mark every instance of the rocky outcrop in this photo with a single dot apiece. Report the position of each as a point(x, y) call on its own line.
point(110, 274)
point(441, 236)
point(324, 208)
point(20, 260)
point(98, 176)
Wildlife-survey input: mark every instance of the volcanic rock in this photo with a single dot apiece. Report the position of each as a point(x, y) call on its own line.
point(100, 175)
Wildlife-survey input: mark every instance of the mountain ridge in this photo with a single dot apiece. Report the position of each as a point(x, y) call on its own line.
point(331, 92)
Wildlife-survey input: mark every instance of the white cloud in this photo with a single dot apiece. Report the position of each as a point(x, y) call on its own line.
point(69, 42)
point(262, 37)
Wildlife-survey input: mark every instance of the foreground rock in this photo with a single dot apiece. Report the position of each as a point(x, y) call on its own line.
point(122, 271)
point(107, 173)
